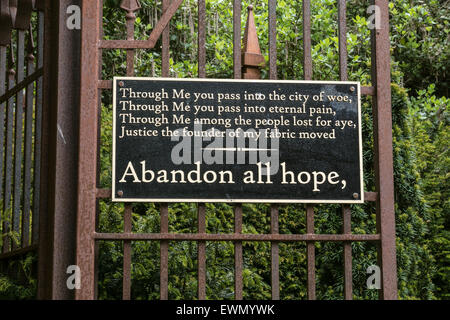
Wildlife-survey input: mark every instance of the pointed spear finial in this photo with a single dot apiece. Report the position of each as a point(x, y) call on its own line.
point(252, 59)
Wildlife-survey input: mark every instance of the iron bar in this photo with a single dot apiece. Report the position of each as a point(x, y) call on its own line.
point(347, 229)
point(239, 237)
point(384, 172)
point(22, 85)
point(8, 155)
point(201, 256)
point(18, 130)
point(275, 263)
point(28, 147)
point(342, 30)
point(38, 131)
point(164, 253)
point(126, 291)
point(307, 58)
point(238, 257)
point(272, 39)
point(237, 63)
point(311, 252)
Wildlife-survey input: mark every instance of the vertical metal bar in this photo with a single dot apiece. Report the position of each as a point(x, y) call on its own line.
point(342, 10)
point(8, 154)
point(201, 38)
point(237, 62)
point(272, 39)
point(384, 175)
point(87, 166)
point(165, 62)
point(311, 253)
point(126, 292)
point(201, 256)
point(307, 58)
point(275, 258)
point(164, 252)
point(43, 228)
point(99, 145)
point(17, 196)
point(63, 103)
point(237, 68)
point(3, 66)
point(347, 229)
point(346, 212)
point(275, 254)
point(164, 244)
point(238, 258)
point(38, 132)
point(28, 148)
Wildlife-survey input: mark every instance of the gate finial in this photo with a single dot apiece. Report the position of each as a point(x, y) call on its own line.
point(252, 59)
point(130, 5)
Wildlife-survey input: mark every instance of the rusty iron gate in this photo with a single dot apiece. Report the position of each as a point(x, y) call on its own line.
point(21, 121)
point(55, 152)
point(89, 192)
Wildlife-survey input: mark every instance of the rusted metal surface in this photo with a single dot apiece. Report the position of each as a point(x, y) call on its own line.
point(87, 162)
point(237, 68)
point(310, 253)
point(38, 132)
point(237, 236)
point(164, 254)
point(163, 23)
point(342, 27)
point(3, 52)
point(274, 212)
point(384, 175)
point(18, 131)
point(201, 38)
point(252, 59)
point(23, 14)
point(275, 257)
point(201, 256)
point(126, 290)
point(347, 229)
point(238, 256)
point(130, 6)
point(307, 58)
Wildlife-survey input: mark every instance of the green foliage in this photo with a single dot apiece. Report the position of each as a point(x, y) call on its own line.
point(419, 37)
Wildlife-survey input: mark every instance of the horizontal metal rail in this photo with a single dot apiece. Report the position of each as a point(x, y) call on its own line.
point(236, 237)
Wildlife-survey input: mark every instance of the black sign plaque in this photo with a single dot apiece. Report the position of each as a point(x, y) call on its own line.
point(215, 140)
